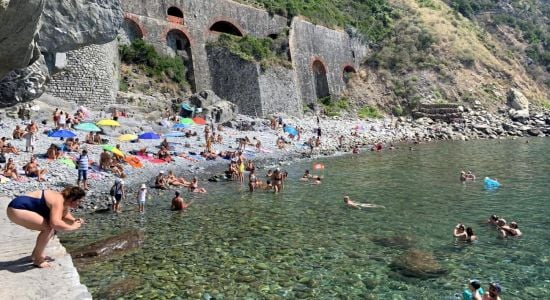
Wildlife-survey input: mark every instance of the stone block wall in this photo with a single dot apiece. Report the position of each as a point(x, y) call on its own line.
point(198, 17)
point(333, 49)
point(90, 77)
point(279, 92)
point(255, 91)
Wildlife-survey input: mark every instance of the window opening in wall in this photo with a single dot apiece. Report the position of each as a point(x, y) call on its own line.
point(320, 79)
point(348, 73)
point(180, 46)
point(225, 27)
point(175, 12)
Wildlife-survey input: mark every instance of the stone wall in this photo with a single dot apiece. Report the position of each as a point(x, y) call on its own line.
point(90, 77)
point(279, 92)
point(198, 17)
point(255, 91)
point(333, 49)
point(235, 80)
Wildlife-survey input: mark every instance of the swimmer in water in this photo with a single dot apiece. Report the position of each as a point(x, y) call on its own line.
point(459, 232)
point(359, 205)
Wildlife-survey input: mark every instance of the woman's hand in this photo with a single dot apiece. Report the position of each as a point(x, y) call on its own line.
point(80, 220)
point(76, 225)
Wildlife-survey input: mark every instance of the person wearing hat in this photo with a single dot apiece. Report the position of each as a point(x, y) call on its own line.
point(459, 232)
point(474, 291)
point(160, 181)
point(118, 192)
point(493, 293)
point(141, 196)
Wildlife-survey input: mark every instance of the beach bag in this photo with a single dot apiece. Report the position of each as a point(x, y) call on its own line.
point(112, 191)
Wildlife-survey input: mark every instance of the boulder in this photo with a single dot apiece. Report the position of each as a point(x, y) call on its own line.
point(69, 25)
point(109, 246)
point(517, 100)
point(23, 85)
point(29, 28)
point(534, 132)
point(204, 99)
point(519, 114)
point(19, 24)
point(419, 264)
point(221, 112)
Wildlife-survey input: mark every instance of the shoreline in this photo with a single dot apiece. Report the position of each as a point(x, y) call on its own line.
point(479, 124)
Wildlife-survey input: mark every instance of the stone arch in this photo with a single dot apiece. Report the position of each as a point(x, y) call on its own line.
point(179, 45)
point(174, 15)
point(320, 78)
point(225, 26)
point(130, 31)
point(347, 72)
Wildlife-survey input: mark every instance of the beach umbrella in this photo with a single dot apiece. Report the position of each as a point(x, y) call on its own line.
point(186, 121)
point(149, 136)
point(62, 134)
point(87, 127)
point(291, 130)
point(199, 121)
point(180, 126)
point(127, 137)
point(113, 150)
point(107, 122)
point(174, 134)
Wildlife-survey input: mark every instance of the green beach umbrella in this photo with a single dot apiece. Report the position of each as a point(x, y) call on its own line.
point(87, 127)
point(187, 121)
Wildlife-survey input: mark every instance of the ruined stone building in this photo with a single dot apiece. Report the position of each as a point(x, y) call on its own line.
point(320, 56)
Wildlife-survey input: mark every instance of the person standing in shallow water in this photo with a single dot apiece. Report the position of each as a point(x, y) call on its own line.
point(141, 196)
point(46, 211)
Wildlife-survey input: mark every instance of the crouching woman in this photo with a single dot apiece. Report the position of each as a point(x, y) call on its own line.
point(46, 211)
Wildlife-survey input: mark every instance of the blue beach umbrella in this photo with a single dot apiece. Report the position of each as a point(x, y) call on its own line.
point(87, 127)
point(174, 134)
point(149, 136)
point(180, 126)
point(291, 130)
point(62, 134)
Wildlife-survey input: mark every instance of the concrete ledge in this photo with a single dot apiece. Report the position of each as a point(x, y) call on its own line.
point(20, 280)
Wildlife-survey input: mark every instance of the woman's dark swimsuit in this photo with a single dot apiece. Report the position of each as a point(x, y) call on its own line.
point(37, 205)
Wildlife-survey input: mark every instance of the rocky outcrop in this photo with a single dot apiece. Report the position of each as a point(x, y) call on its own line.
point(419, 264)
point(19, 24)
point(517, 100)
point(25, 84)
point(69, 25)
point(117, 244)
point(219, 110)
point(62, 26)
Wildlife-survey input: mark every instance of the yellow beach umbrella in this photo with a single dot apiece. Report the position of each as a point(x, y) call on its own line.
point(113, 150)
point(127, 137)
point(107, 122)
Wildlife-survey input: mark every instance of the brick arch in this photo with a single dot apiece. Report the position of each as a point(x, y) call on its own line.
point(173, 18)
point(180, 29)
point(230, 21)
point(314, 59)
point(346, 69)
point(135, 20)
point(319, 72)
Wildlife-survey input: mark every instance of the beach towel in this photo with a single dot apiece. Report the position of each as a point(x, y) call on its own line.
point(133, 161)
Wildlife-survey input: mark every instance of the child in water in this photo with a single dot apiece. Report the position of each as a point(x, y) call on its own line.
point(141, 196)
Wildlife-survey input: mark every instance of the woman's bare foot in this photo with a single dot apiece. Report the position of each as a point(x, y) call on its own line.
point(41, 264)
point(43, 258)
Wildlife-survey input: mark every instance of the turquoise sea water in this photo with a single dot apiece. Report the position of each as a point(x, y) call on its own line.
point(303, 243)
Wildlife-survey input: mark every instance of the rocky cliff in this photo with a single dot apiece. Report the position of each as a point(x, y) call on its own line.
point(29, 28)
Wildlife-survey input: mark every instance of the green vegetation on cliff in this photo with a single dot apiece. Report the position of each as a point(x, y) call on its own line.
point(437, 50)
point(266, 51)
point(155, 65)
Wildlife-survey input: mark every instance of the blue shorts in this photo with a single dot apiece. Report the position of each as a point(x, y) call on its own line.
point(82, 174)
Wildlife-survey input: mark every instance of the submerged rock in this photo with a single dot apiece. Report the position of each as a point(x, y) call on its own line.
point(400, 242)
point(417, 263)
point(120, 288)
point(120, 243)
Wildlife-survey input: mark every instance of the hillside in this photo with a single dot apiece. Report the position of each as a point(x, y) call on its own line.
point(428, 51)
